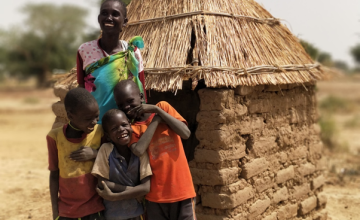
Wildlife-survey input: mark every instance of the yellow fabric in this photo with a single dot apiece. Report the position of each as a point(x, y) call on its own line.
point(69, 168)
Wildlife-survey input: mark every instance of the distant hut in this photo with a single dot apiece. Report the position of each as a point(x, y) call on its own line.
point(247, 88)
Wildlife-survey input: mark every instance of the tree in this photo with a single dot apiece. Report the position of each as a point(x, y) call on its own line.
point(355, 52)
point(50, 40)
point(325, 59)
point(341, 65)
point(310, 49)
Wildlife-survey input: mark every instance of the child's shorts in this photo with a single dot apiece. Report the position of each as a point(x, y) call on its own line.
point(183, 210)
point(95, 216)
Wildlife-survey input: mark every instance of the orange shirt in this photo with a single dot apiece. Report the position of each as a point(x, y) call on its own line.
point(171, 180)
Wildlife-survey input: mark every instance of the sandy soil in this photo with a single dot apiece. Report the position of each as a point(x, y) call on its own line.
point(24, 192)
point(343, 192)
point(25, 119)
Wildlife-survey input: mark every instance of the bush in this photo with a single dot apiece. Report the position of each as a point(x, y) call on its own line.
point(353, 123)
point(335, 104)
point(328, 131)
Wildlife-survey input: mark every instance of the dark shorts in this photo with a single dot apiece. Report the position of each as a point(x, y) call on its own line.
point(183, 210)
point(95, 216)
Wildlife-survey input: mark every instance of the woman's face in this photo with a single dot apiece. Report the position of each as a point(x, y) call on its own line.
point(112, 17)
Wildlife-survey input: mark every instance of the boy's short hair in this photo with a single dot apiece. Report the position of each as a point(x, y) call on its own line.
point(77, 98)
point(106, 119)
point(123, 84)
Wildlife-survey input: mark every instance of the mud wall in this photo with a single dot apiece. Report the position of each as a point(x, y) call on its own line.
point(259, 155)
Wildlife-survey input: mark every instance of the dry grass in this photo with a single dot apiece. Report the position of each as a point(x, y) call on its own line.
point(215, 40)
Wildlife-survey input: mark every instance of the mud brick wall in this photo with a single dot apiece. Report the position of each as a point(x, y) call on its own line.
point(259, 155)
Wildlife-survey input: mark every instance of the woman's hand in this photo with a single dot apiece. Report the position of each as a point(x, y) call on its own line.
point(83, 154)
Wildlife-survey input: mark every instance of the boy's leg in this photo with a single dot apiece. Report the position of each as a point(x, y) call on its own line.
point(186, 209)
point(157, 211)
point(95, 216)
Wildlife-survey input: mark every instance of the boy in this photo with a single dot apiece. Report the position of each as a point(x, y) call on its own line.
point(119, 171)
point(72, 187)
point(172, 192)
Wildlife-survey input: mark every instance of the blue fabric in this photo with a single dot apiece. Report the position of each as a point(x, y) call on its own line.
point(128, 175)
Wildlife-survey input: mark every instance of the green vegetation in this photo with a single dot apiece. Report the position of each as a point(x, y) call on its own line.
point(49, 41)
point(328, 131)
point(353, 123)
point(355, 52)
point(31, 100)
point(326, 59)
point(310, 49)
point(335, 104)
point(329, 135)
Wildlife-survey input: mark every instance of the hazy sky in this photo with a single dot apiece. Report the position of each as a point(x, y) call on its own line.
point(331, 25)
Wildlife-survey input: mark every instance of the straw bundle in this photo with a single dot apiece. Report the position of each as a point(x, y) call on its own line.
point(227, 43)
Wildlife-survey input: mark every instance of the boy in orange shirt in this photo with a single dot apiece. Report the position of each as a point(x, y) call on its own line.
point(172, 193)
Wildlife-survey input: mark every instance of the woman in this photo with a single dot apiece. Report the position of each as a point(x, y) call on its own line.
point(102, 63)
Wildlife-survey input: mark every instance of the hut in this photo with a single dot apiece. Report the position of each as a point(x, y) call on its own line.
point(247, 88)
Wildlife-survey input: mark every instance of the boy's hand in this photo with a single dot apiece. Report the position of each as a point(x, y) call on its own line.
point(83, 154)
point(105, 193)
point(141, 109)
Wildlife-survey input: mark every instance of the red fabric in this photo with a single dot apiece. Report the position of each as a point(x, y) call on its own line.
point(77, 196)
point(171, 180)
point(79, 69)
point(89, 83)
point(142, 79)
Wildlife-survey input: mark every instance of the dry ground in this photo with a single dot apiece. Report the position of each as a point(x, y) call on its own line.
point(25, 119)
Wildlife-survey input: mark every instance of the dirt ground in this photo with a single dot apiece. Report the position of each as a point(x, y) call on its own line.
point(25, 119)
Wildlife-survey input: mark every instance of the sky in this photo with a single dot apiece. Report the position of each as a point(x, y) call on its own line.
point(333, 26)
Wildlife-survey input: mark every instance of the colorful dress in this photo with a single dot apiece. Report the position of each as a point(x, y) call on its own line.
point(100, 72)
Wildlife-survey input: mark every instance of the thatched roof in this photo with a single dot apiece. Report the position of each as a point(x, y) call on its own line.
point(226, 43)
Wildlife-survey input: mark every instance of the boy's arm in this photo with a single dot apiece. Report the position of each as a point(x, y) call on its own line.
point(114, 187)
point(132, 193)
point(54, 190)
point(176, 125)
point(141, 146)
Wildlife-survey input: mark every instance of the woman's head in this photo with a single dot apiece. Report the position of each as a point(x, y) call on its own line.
point(113, 16)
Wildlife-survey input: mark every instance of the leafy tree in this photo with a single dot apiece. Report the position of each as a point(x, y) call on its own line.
point(310, 49)
point(49, 41)
point(325, 59)
point(355, 52)
point(341, 65)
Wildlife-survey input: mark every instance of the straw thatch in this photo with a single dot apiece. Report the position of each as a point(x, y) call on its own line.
point(226, 43)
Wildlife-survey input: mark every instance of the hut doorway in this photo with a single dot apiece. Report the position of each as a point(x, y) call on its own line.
point(187, 103)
